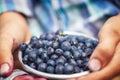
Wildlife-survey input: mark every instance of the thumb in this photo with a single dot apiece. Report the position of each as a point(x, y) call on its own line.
point(6, 58)
point(103, 53)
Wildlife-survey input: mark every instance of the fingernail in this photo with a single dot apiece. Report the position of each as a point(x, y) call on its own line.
point(94, 65)
point(4, 68)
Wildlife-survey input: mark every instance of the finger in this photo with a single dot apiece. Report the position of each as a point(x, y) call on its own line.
point(6, 59)
point(24, 77)
point(103, 53)
point(109, 72)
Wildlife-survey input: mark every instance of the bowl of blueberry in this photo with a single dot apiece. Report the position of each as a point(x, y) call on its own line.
point(57, 55)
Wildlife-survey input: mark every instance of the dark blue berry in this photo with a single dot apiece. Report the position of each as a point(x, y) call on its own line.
point(33, 38)
point(38, 61)
point(50, 51)
point(25, 59)
point(42, 67)
point(32, 65)
point(59, 52)
point(59, 69)
point(73, 62)
point(45, 43)
point(77, 69)
point(60, 61)
point(50, 69)
point(38, 44)
point(32, 55)
point(89, 43)
point(76, 53)
point(51, 62)
point(54, 57)
point(66, 45)
point(43, 36)
point(67, 54)
point(68, 69)
point(62, 57)
point(88, 51)
point(81, 38)
point(23, 46)
point(79, 62)
point(40, 51)
point(74, 41)
point(50, 36)
point(44, 56)
point(55, 44)
point(28, 50)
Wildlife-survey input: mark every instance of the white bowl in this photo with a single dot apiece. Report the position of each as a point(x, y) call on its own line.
point(55, 76)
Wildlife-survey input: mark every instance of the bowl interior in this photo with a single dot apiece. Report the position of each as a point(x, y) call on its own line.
point(55, 76)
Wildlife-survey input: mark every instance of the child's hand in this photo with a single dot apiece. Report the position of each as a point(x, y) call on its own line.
point(105, 61)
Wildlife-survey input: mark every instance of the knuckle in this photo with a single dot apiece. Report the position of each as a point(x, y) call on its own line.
point(105, 52)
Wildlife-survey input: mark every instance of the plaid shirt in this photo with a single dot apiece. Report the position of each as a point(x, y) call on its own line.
point(86, 16)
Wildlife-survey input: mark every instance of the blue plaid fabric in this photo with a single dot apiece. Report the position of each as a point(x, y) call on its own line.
point(86, 16)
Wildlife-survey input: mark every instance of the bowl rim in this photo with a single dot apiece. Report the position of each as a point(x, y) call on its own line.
point(55, 76)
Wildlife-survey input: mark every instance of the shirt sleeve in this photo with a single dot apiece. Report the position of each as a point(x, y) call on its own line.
point(22, 6)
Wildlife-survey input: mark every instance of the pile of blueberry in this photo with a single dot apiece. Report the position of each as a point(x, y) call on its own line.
point(58, 53)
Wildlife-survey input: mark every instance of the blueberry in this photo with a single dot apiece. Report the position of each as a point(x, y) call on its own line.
point(84, 66)
point(44, 56)
point(38, 44)
point(25, 59)
point(45, 43)
point(23, 46)
point(76, 53)
point(67, 54)
point(67, 38)
point(50, 36)
point(43, 36)
point(68, 69)
point(55, 44)
point(79, 62)
point(50, 69)
point(95, 43)
point(38, 61)
point(62, 57)
point(33, 38)
point(28, 50)
point(72, 62)
point(32, 55)
point(74, 41)
point(66, 45)
point(32, 65)
point(59, 69)
point(51, 62)
point(42, 67)
point(81, 38)
point(89, 43)
point(81, 45)
point(77, 69)
point(54, 56)
point(59, 38)
point(59, 52)
point(60, 61)
point(88, 51)
point(50, 43)
point(50, 51)
point(84, 55)
point(40, 51)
